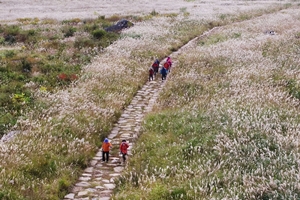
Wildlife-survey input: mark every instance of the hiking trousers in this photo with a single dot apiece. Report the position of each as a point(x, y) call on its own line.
point(124, 156)
point(151, 77)
point(105, 156)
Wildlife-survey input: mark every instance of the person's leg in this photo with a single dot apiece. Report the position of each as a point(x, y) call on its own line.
point(124, 157)
point(107, 156)
point(103, 156)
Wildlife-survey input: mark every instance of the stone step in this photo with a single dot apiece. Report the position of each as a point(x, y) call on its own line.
point(97, 180)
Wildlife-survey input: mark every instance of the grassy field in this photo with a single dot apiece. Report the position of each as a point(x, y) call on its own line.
point(226, 123)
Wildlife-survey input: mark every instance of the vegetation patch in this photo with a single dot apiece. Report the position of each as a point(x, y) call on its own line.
point(41, 56)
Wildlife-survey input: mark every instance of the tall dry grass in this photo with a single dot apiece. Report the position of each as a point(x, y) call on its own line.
point(59, 137)
point(226, 126)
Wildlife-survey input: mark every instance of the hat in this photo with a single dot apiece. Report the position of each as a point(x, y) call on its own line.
point(106, 140)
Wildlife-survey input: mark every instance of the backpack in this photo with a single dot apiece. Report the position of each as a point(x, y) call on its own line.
point(163, 71)
point(155, 65)
point(166, 65)
point(151, 71)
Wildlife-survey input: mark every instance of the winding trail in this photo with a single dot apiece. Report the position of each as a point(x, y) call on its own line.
point(97, 181)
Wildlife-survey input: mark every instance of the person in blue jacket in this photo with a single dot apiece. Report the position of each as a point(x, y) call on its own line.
point(163, 72)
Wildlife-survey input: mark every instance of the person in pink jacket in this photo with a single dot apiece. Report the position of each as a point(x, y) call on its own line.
point(123, 149)
point(169, 61)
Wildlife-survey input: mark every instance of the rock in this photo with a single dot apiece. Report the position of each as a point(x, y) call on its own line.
point(118, 169)
point(122, 24)
point(70, 196)
point(83, 193)
point(109, 186)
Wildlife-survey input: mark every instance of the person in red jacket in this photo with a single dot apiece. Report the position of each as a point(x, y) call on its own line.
point(106, 146)
point(151, 72)
point(123, 149)
point(169, 61)
point(167, 66)
point(155, 66)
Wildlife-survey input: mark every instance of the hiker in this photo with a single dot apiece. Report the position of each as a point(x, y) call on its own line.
point(106, 146)
point(155, 66)
point(163, 72)
point(167, 66)
point(169, 61)
point(123, 149)
point(151, 72)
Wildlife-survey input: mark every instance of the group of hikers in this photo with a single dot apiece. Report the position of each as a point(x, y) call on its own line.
point(153, 71)
point(163, 70)
point(106, 147)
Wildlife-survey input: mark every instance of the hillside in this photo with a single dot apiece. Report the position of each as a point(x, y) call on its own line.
point(225, 122)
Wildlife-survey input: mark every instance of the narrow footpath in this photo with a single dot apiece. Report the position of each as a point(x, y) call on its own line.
point(97, 181)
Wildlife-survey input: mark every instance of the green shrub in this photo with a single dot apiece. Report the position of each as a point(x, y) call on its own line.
point(10, 39)
point(293, 88)
point(9, 195)
point(63, 186)
point(154, 13)
point(9, 53)
point(158, 192)
point(12, 30)
point(68, 31)
point(6, 120)
point(4, 98)
point(179, 193)
point(98, 34)
point(41, 166)
point(83, 43)
point(90, 27)
point(51, 68)
point(26, 66)
point(2, 40)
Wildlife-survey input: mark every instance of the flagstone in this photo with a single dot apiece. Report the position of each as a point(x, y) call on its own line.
point(105, 181)
point(115, 175)
point(104, 198)
point(118, 169)
point(85, 174)
point(109, 186)
point(83, 193)
point(89, 170)
point(99, 154)
point(84, 178)
point(97, 181)
point(83, 184)
point(97, 158)
point(100, 187)
point(70, 196)
point(93, 162)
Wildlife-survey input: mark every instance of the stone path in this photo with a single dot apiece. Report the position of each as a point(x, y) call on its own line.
point(97, 181)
